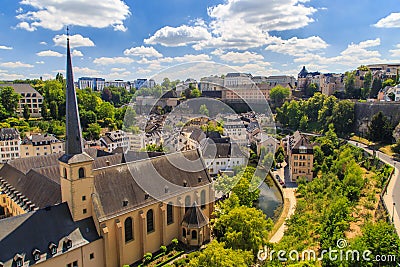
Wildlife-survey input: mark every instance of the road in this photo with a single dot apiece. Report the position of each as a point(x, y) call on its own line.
point(289, 194)
point(392, 196)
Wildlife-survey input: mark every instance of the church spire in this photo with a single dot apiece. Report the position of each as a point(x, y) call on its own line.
point(74, 133)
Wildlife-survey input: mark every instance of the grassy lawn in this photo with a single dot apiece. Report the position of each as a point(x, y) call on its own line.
point(361, 140)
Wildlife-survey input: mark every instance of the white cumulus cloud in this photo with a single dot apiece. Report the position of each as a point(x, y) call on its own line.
point(142, 51)
point(26, 26)
point(295, 46)
point(55, 14)
point(395, 52)
point(112, 60)
point(179, 36)
point(49, 53)
point(77, 53)
point(14, 65)
point(240, 57)
point(4, 47)
point(76, 40)
point(391, 21)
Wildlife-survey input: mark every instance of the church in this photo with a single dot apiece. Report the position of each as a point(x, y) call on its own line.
point(91, 208)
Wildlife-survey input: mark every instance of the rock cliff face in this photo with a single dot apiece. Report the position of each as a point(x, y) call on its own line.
point(365, 111)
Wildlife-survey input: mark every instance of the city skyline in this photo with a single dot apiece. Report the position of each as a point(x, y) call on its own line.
point(128, 40)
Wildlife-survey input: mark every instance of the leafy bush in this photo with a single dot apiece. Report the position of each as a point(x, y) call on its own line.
point(147, 257)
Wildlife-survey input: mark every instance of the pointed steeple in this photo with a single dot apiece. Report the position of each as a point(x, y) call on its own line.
point(74, 143)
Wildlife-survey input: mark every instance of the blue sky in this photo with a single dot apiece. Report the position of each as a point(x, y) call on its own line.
point(132, 39)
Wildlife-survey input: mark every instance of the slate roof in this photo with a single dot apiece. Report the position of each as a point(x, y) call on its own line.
point(34, 230)
point(132, 181)
point(35, 175)
point(194, 217)
point(22, 88)
point(299, 140)
point(8, 134)
point(37, 138)
point(221, 150)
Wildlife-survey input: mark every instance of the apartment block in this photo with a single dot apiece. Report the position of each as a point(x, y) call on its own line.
point(40, 144)
point(9, 144)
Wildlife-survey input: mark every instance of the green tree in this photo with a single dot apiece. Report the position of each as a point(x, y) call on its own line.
point(243, 228)
point(376, 87)
point(380, 129)
point(367, 84)
point(303, 123)
point(195, 93)
point(9, 99)
point(241, 189)
point(88, 100)
point(280, 155)
point(54, 110)
point(26, 112)
point(106, 95)
point(388, 82)
point(3, 113)
point(363, 68)
point(381, 239)
point(311, 89)
point(105, 110)
point(154, 148)
point(216, 255)
point(93, 132)
point(44, 111)
point(278, 94)
point(349, 84)
point(204, 110)
point(130, 117)
point(343, 117)
point(60, 78)
point(87, 117)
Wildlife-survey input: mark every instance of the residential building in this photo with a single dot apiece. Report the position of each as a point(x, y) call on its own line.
point(96, 84)
point(211, 83)
point(147, 83)
point(250, 93)
point(119, 84)
point(29, 97)
point(259, 79)
point(40, 144)
point(389, 93)
point(235, 128)
point(221, 156)
point(267, 142)
point(283, 80)
point(136, 141)
point(305, 78)
point(114, 139)
point(9, 144)
point(386, 70)
point(189, 83)
point(331, 83)
point(92, 208)
point(300, 154)
point(237, 80)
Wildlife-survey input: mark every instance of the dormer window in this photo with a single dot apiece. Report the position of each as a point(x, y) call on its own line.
point(19, 260)
point(67, 243)
point(53, 248)
point(36, 254)
point(302, 150)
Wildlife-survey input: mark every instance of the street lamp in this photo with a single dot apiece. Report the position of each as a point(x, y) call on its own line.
point(394, 204)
